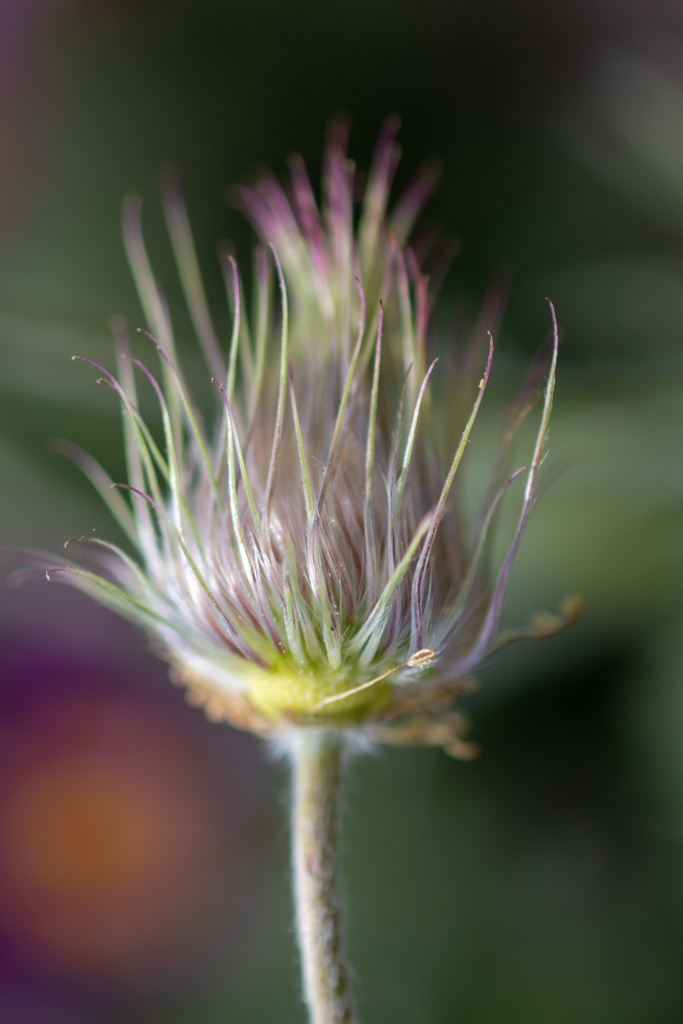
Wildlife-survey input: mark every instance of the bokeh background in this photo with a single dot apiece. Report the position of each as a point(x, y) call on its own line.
point(143, 851)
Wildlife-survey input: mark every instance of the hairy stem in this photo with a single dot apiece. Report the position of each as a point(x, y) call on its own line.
point(317, 762)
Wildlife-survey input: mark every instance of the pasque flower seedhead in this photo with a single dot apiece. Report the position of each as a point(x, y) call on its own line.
point(302, 560)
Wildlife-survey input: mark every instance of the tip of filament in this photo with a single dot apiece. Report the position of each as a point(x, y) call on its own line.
point(421, 658)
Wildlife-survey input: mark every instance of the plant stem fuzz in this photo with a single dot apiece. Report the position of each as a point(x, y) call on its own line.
point(316, 766)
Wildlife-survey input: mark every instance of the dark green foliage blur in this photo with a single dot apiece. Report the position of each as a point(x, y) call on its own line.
point(542, 883)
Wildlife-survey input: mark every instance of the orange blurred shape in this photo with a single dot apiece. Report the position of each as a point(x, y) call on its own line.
point(74, 827)
point(115, 851)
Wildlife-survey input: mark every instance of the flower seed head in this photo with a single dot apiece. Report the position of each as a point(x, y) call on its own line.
point(300, 555)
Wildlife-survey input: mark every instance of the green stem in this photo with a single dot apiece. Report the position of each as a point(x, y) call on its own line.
point(317, 762)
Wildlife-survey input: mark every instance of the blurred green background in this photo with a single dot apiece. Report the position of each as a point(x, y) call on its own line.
point(143, 852)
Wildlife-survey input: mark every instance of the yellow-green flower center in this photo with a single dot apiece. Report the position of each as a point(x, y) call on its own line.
point(286, 690)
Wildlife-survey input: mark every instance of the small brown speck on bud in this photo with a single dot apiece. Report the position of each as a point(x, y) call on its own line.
point(421, 658)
